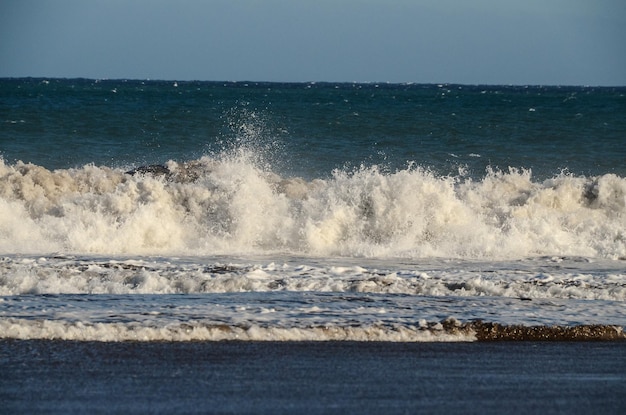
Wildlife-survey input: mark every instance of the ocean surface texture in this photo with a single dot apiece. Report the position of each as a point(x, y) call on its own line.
point(179, 211)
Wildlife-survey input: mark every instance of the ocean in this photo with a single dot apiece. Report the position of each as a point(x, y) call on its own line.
point(309, 218)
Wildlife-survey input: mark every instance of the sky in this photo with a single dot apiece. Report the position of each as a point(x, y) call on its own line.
point(522, 42)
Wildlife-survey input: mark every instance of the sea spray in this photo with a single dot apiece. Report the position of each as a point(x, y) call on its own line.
point(230, 206)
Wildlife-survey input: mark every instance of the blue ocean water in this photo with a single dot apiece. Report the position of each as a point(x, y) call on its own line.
point(308, 211)
point(309, 129)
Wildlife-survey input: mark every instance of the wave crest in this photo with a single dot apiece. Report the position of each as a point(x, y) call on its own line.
point(227, 205)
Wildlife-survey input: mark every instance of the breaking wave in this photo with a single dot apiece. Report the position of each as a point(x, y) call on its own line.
point(230, 205)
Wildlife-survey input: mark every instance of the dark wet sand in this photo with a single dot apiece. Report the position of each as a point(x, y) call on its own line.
point(60, 377)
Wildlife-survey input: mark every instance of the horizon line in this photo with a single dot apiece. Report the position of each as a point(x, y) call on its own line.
point(312, 82)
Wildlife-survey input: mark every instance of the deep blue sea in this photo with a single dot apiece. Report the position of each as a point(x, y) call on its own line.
point(310, 129)
point(162, 210)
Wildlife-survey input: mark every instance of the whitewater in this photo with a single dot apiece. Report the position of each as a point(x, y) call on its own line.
point(230, 206)
point(408, 255)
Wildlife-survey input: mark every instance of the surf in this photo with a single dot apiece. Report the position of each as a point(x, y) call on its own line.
point(231, 205)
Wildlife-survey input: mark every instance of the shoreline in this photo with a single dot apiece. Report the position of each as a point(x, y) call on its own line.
point(448, 330)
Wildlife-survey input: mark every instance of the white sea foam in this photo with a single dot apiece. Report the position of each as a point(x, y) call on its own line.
point(289, 316)
point(541, 278)
point(62, 330)
point(230, 206)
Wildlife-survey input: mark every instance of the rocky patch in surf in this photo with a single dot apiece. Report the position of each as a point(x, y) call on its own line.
point(489, 332)
point(493, 332)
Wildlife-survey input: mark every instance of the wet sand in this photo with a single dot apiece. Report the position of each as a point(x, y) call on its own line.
point(63, 377)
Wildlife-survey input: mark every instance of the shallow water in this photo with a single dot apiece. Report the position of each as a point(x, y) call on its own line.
point(154, 299)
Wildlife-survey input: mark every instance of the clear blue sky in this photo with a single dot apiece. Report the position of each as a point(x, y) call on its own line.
point(573, 42)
